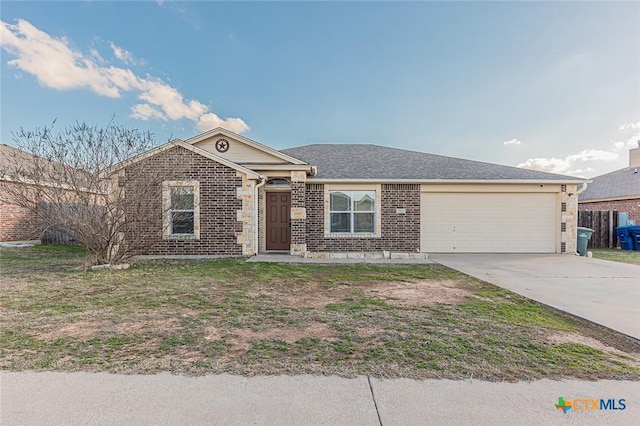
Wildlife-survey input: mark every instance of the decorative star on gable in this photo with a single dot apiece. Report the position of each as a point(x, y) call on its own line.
point(222, 145)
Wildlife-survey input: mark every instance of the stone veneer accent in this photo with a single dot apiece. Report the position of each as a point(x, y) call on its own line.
point(399, 233)
point(298, 213)
point(225, 202)
point(570, 218)
point(246, 194)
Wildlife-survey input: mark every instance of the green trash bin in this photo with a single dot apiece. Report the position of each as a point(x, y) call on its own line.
point(584, 235)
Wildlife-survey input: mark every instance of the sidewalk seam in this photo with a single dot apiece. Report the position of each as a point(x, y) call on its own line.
point(373, 397)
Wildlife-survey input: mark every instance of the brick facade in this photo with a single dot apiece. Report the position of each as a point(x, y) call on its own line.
point(630, 206)
point(16, 223)
point(298, 218)
point(400, 231)
point(219, 203)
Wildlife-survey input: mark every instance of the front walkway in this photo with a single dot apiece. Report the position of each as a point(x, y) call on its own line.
point(601, 291)
point(165, 399)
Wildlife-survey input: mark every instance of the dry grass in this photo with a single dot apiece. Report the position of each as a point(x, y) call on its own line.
point(623, 256)
point(199, 317)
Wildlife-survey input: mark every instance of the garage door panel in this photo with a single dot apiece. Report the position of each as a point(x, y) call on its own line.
point(488, 222)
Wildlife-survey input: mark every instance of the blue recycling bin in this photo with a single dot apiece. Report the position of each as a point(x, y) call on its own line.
point(625, 238)
point(634, 233)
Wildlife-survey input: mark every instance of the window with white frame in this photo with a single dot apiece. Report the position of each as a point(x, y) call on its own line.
point(352, 212)
point(182, 218)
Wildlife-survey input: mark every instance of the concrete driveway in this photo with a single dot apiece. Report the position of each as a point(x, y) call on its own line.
point(604, 292)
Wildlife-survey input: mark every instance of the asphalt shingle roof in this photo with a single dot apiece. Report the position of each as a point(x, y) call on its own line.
point(621, 183)
point(338, 161)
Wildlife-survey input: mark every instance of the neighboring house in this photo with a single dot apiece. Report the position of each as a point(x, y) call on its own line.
point(618, 191)
point(224, 194)
point(28, 179)
point(16, 223)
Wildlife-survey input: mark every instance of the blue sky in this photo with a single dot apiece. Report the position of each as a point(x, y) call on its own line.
point(548, 85)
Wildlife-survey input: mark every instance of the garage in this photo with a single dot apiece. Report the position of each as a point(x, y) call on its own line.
point(489, 222)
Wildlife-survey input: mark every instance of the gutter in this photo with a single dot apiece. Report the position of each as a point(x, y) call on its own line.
point(263, 181)
point(451, 181)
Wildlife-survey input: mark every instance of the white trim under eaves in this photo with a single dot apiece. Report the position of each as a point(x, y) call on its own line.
point(247, 141)
point(301, 167)
point(606, 200)
point(452, 181)
point(177, 142)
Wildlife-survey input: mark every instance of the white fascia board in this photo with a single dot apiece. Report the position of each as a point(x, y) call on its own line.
point(301, 167)
point(619, 198)
point(247, 141)
point(451, 181)
point(143, 156)
point(177, 142)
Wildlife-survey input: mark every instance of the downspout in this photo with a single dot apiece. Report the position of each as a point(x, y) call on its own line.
point(263, 181)
point(581, 190)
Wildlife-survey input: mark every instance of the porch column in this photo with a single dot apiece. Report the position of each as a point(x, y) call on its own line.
point(298, 213)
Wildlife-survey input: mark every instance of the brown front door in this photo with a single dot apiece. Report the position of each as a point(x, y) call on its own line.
point(278, 220)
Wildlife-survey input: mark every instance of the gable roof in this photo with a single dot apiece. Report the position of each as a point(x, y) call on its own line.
point(221, 131)
point(373, 162)
point(11, 157)
point(177, 142)
point(623, 183)
point(19, 166)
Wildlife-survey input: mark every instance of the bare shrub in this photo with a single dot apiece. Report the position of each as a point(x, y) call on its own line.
point(66, 178)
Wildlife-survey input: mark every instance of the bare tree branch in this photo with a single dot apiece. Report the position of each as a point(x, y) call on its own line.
point(65, 178)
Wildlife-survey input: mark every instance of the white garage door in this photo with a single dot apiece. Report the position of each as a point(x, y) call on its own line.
point(488, 222)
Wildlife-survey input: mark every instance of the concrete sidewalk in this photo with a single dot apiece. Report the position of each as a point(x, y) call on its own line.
point(601, 291)
point(164, 399)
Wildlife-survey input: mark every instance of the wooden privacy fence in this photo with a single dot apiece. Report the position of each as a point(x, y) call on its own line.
point(604, 225)
point(57, 236)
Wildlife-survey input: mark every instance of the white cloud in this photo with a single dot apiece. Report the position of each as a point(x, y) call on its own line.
point(593, 155)
point(589, 161)
point(512, 142)
point(94, 52)
point(123, 54)
point(58, 66)
point(631, 126)
point(51, 60)
point(211, 121)
point(146, 112)
point(553, 165)
point(156, 92)
point(574, 164)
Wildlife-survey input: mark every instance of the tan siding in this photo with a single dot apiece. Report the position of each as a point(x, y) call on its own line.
point(238, 152)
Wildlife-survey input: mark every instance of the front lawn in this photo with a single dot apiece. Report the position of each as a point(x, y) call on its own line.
point(199, 317)
point(624, 256)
